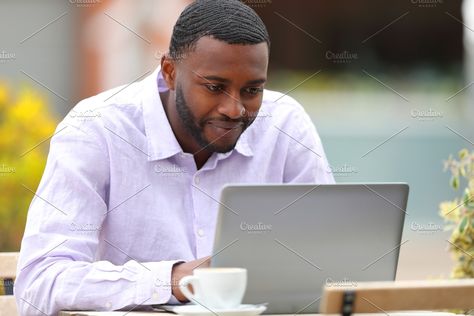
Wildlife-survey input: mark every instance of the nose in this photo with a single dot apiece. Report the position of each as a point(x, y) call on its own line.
point(232, 106)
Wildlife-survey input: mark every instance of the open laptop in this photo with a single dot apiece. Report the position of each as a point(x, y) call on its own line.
point(295, 239)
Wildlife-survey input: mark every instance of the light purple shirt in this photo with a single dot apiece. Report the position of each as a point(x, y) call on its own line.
point(120, 202)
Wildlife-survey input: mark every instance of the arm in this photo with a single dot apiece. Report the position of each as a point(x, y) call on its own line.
point(57, 268)
point(181, 270)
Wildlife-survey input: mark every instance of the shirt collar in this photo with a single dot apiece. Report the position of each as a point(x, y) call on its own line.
point(161, 140)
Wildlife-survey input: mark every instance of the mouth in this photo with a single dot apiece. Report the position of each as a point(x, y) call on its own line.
point(226, 125)
point(226, 131)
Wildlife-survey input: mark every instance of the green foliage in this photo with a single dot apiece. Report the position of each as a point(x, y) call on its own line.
point(460, 214)
point(25, 122)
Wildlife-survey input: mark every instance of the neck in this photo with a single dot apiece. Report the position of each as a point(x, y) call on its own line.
point(185, 140)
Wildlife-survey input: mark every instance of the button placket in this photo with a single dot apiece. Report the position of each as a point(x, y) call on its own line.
point(199, 200)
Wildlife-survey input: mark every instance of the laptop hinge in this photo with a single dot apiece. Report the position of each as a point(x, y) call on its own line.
point(348, 299)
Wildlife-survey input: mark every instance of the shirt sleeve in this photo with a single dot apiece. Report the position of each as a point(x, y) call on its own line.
point(57, 267)
point(306, 160)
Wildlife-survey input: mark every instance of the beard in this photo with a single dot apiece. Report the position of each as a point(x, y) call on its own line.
point(195, 128)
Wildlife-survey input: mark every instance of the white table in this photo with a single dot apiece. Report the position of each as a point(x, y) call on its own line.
point(161, 313)
point(132, 313)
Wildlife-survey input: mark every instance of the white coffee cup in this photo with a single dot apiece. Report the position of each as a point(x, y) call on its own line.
point(219, 288)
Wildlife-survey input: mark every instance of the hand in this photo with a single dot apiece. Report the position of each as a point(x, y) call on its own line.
point(183, 269)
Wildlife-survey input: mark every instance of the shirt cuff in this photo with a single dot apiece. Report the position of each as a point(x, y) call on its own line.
point(154, 287)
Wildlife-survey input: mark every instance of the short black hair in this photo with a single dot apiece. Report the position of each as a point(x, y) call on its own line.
point(230, 21)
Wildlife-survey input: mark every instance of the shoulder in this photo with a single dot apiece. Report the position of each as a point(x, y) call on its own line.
point(120, 106)
point(279, 110)
point(279, 102)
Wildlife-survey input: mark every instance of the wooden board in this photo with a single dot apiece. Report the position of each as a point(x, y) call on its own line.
point(8, 262)
point(377, 297)
point(8, 306)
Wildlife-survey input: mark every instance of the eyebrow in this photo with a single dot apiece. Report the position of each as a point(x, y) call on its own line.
point(224, 80)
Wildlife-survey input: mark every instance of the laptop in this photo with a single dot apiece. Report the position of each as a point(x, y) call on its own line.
point(294, 239)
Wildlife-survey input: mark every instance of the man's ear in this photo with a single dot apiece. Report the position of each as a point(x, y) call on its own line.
point(168, 69)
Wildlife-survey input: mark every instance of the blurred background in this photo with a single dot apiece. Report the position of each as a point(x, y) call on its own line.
point(388, 85)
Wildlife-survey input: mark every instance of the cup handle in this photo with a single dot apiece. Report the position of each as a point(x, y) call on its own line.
point(183, 285)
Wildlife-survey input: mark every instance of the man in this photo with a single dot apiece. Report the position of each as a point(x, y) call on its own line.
point(128, 201)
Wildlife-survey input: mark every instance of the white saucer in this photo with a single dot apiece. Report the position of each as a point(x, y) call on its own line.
point(198, 310)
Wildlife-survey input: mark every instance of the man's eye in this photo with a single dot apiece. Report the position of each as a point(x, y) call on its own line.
point(253, 90)
point(213, 87)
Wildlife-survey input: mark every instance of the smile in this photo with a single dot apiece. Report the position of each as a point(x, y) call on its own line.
point(226, 125)
point(226, 130)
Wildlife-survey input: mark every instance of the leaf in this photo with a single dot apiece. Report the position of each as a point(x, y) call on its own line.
point(463, 153)
point(462, 225)
point(467, 199)
point(455, 182)
point(462, 171)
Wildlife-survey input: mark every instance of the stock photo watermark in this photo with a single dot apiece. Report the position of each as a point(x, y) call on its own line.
point(427, 3)
point(87, 115)
point(425, 115)
point(344, 170)
point(257, 3)
point(175, 56)
point(85, 3)
point(425, 228)
point(257, 117)
point(84, 228)
point(6, 170)
point(343, 57)
point(255, 228)
point(345, 282)
point(168, 284)
point(6, 56)
point(169, 170)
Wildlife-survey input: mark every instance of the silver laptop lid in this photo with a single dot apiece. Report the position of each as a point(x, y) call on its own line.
point(294, 239)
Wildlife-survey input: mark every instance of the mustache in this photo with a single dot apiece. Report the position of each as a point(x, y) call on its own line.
point(225, 123)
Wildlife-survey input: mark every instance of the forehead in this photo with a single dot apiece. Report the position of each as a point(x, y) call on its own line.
point(211, 56)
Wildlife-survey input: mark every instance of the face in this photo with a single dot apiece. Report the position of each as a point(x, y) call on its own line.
point(218, 91)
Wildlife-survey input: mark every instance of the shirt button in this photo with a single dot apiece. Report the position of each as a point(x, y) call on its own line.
point(200, 232)
point(196, 180)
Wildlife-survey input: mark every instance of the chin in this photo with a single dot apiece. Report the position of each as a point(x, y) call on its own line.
point(221, 148)
point(218, 145)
